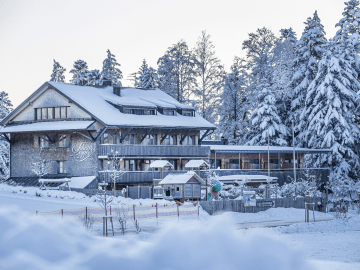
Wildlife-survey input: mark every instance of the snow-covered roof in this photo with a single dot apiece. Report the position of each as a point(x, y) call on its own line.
point(48, 126)
point(252, 178)
point(161, 164)
point(196, 163)
point(264, 149)
point(183, 178)
point(96, 100)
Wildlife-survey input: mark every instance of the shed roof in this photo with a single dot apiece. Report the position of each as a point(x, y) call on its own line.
point(48, 126)
point(197, 163)
point(252, 178)
point(161, 164)
point(182, 178)
point(263, 149)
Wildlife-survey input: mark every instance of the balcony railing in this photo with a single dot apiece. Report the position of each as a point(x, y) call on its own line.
point(148, 151)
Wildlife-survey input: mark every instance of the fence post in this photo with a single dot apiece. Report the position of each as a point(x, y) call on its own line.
point(110, 210)
point(62, 213)
point(178, 211)
point(157, 222)
point(36, 212)
point(198, 210)
point(86, 212)
point(134, 210)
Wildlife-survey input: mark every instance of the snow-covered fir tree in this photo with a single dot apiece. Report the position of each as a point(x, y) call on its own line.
point(266, 126)
point(309, 50)
point(58, 73)
point(176, 72)
point(5, 109)
point(330, 106)
point(80, 72)
point(233, 108)
point(209, 74)
point(147, 77)
point(282, 71)
point(110, 70)
point(93, 77)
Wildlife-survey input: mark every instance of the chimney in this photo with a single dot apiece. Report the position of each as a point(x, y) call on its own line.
point(106, 82)
point(117, 90)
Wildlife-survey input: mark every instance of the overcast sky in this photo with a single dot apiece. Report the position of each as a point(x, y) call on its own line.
point(34, 32)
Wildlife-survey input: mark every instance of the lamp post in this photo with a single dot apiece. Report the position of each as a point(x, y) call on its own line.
point(294, 155)
point(268, 180)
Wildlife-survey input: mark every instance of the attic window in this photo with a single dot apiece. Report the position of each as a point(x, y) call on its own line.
point(139, 111)
point(169, 112)
point(50, 113)
point(187, 113)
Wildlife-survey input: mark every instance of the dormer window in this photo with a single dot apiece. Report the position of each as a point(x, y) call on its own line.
point(168, 112)
point(187, 113)
point(139, 111)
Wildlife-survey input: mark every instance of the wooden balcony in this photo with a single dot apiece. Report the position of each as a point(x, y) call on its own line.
point(154, 151)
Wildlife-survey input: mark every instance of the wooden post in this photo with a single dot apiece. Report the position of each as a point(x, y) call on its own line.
point(178, 211)
point(157, 222)
point(134, 210)
point(86, 212)
point(110, 210)
point(112, 226)
point(36, 212)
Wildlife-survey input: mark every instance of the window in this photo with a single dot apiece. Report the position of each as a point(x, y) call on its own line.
point(62, 141)
point(61, 166)
point(52, 113)
point(132, 138)
point(187, 113)
point(43, 143)
point(173, 140)
point(177, 189)
point(191, 140)
point(148, 112)
point(168, 112)
point(127, 111)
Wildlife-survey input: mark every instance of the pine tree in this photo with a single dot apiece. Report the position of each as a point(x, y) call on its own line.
point(266, 126)
point(147, 77)
point(330, 105)
point(5, 109)
point(309, 50)
point(176, 71)
point(233, 108)
point(58, 73)
point(110, 70)
point(209, 73)
point(80, 73)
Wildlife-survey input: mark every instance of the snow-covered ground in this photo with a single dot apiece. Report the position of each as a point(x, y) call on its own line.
point(205, 242)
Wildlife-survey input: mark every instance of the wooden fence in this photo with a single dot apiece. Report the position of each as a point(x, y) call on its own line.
point(217, 207)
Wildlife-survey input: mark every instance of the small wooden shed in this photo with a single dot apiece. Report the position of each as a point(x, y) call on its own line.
point(181, 187)
point(197, 164)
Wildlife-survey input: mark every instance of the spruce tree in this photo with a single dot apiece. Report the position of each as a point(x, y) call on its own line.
point(266, 126)
point(147, 77)
point(80, 73)
point(93, 77)
point(58, 73)
point(110, 70)
point(5, 109)
point(330, 106)
point(233, 108)
point(309, 50)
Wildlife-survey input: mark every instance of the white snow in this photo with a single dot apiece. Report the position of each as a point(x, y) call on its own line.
point(197, 164)
point(80, 182)
point(94, 100)
point(48, 126)
point(179, 178)
point(246, 177)
point(161, 164)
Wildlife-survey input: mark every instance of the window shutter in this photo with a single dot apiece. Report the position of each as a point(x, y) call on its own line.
point(68, 166)
point(54, 167)
point(68, 140)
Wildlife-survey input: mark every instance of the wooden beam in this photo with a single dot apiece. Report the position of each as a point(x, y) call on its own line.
point(101, 133)
point(146, 133)
point(163, 137)
point(205, 134)
point(83, 135)
point(91, 136)
point(183, 138)
point(123, 136)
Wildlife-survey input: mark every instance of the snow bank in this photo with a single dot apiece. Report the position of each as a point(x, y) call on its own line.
point(336, 225)
point(36, 243)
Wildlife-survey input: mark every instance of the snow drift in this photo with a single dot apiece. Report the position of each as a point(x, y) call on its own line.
point(39, 243)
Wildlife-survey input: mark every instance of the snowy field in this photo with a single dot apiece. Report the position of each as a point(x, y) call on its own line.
point(204, 242)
